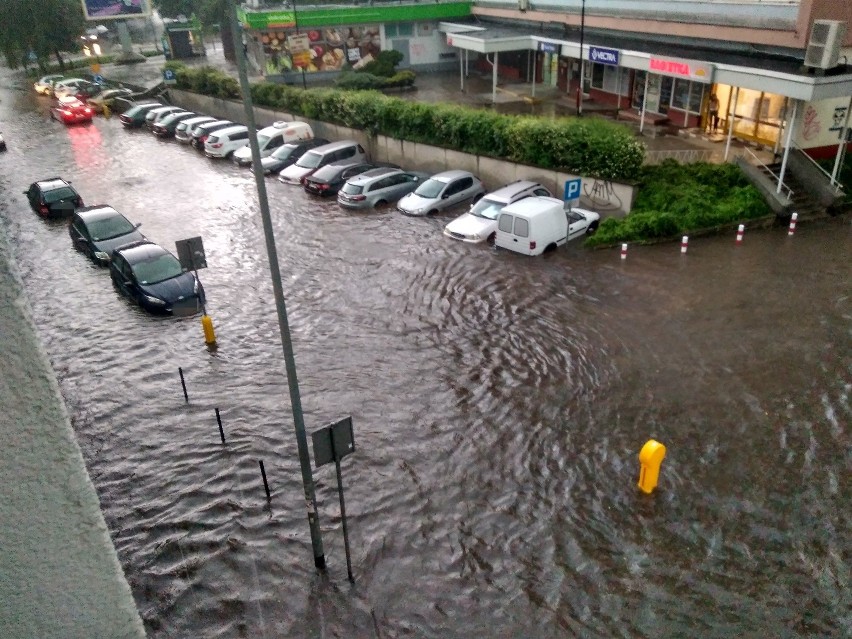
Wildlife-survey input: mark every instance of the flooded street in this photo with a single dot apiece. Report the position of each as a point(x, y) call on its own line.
point(499, 404)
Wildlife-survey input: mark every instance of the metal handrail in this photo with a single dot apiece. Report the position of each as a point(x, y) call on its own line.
point(770, 172)
point(837, 187)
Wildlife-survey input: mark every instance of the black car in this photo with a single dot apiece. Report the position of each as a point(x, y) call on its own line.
point(153, 278)
point(199, 136)
point(165, 128)
point(54, 196)
point(328, 179)
point(97, 230)
point(286, 154)
point(134, 117)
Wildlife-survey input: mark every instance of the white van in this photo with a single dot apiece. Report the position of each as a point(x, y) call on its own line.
point(221, 143)
point(532, 225)
point(272, 137)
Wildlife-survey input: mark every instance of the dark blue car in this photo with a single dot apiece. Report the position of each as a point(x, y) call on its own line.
point(153, 278)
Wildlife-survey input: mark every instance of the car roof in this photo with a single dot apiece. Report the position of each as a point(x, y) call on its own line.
point(231, 129)
point(333, 146)
point(50, 76)
point(532, 206)
point(67, 80)
point(218, 123)
point(139, 251)
point(97, 212)
point(52, 183)
point(453, 174)
point(199, 118)
point(68, 99)
point(511, 191)
point(375, 174)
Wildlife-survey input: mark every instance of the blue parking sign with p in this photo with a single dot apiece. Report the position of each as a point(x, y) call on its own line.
point(572, 189)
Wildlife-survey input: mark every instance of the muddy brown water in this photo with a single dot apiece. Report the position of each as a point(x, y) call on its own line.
point(499, 405)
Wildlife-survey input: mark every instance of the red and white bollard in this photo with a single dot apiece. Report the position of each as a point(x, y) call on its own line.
point(740, 232)
point(793, 219)
point(624, 251)
point(683, 243)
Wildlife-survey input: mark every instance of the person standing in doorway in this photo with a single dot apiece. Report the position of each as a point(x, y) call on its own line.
point(713, 113)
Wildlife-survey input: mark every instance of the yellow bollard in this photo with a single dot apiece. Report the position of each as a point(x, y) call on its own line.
point(107, 112)
point(650, 459)
point(207, 325)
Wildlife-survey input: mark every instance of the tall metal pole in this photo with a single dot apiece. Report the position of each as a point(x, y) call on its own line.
point(296, 22)
point(582, 60)
point(283, 324)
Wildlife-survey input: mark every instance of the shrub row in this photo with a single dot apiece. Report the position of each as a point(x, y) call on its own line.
point(678, 198)
point(591, 147)
point(363, 81)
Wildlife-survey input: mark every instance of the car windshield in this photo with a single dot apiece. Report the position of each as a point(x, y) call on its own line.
point(430, 188)
point(262, 140)
point(351, 189)
point(157, 269)
point(309, 160)
point(109, 228)
point(487, 208)
point(283, 152)
point(62, 193)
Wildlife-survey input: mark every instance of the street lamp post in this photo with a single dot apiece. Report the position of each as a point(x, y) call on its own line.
point(582, 60)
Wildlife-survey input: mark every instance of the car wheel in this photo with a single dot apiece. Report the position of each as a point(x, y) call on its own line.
point(491, 239)
point(477, 197)
point(433, 212)
point(592, 228)
point(229, 155)
point(380, 203)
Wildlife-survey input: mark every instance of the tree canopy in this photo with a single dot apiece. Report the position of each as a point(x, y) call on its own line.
point(57, 27)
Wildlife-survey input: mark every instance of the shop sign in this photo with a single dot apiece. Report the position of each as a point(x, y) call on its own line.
point(698, 71)
point(300, 49)
point(548, 47)
point(604, 56)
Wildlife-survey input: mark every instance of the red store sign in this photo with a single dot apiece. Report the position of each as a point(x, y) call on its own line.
point(697, 71)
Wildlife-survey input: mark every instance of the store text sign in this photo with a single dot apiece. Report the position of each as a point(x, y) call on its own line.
point(698, 71)
point(603, 56)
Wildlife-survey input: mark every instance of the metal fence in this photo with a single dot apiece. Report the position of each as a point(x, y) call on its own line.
point(684, 156)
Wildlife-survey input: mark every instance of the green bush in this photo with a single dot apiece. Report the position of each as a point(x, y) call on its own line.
point(384, 64)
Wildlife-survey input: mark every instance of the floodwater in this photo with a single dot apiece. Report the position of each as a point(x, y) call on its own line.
point(499, 404)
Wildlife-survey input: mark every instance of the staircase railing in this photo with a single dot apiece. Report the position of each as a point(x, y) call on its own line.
point(838, 189)
point(788, 192)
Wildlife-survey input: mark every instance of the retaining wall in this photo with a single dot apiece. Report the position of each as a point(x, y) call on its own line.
point(604, 196)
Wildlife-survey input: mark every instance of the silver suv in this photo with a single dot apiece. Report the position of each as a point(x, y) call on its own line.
point(480, 223)
point(375, 187)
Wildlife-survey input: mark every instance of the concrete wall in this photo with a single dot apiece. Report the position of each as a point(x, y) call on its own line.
point(606, 197)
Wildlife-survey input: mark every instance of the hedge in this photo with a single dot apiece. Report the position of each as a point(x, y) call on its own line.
point(590, 146)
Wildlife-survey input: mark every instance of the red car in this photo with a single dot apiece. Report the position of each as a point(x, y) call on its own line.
point(70, 110)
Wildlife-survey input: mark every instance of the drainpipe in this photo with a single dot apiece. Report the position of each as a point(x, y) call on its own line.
point(732, 109)
point(534, 60)
point(780, 129)
point(791, 124)
point(841, 147)
point(461, 68)
point(644, 102)
point(494, 78)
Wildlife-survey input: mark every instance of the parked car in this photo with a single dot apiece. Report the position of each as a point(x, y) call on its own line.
point(327, 180)
point(165, 128)
point(44, 85)
point(442, 191)
point(97, 230)
point(287, 154)
point(223, 143)
point(185, 128)
point(202, 131)
point(107, 98)
point(134, 117)
point(155, 115)
point(480, 223)
point(53, 196)
point(2, 143)
point(153, 278)
point(72, 86)
point(272, 137)
point(537, 224)
point(70, 110)
point(383, 185)
point(318, 157)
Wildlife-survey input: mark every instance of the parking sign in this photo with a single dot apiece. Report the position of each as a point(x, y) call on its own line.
point(572, 189)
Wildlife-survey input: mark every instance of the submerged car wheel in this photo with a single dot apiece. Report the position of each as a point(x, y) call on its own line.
point(592, 228)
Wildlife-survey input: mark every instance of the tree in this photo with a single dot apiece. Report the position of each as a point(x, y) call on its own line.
point(57, 27)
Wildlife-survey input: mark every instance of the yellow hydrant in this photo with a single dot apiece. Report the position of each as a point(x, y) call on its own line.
point(207, 325)
point(650, 460)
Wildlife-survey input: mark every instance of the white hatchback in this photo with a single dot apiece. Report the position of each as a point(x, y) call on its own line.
point(223, 143)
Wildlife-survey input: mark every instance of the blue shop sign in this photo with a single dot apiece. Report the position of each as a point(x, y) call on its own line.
point(548, 47)
point(603, 56)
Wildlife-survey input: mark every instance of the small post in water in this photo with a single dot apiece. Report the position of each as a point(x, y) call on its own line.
point(265, 483)
point(740, 231)
point(793, 219)
point(684, 243)
point(183, 384)
point(221, 430)
point(624, 251)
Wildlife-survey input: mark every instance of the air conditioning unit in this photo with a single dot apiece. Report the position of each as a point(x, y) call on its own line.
point(824, 47)
point(523, 5)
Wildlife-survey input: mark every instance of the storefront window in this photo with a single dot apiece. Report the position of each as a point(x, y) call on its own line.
point(680, 94)
point(605, 78)
point(665, 94)
point(598, 75)
point(696, 97)
point(639, 89)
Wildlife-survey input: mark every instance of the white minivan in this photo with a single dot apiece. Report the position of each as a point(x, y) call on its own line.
point(537, 224)
point(272, 137)
point(222, 143)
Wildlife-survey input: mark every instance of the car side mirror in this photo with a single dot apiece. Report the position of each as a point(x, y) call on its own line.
point(138, 224)
point(445, 196)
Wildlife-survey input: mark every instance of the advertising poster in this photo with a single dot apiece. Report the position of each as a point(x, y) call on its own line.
point(112, 9)
point(326, 49)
